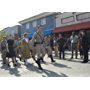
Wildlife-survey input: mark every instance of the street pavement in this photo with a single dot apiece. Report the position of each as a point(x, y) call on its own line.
point(61, 68)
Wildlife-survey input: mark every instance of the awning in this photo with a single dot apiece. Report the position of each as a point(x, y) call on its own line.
point(78, 26)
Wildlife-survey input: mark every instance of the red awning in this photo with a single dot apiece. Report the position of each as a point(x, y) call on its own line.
point(79, 26)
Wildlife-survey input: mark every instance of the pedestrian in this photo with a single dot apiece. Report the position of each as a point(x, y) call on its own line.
point(74, 42)
point(4, 50)
point(55, 46)
point(48, 48)
point(17, 47)
point(85, 46)
point(51, 43)
point(10, 50)
point(61, 48)
point(38, 42)
point(32, 50)
point(80, 45)
point(25, 48)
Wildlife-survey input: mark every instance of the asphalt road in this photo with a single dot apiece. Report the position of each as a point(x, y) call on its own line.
point(61, 68)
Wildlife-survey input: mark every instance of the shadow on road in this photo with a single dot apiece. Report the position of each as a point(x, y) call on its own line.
point(33, 68)
point(61, 65)
point(53, 74)
point(12, 71)
point(73, 60)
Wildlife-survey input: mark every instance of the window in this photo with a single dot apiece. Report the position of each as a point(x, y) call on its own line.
point(27, 26)
point(83, 16)
point(34, 23)
point(43, 21)
point(67, 20)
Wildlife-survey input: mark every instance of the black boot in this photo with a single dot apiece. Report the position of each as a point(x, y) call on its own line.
point(34, 58)
point(51, 58)
point(39, 65)
point(4, 61)
point(15, 64)
point(42, 60)
point(20, 59)
point(59, 55)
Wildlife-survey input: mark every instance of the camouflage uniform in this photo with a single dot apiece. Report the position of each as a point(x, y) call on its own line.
point(32, 49)
point(48, 48)
point(17, 49)
point(38, 42)
point(4, 51)
point(25, 49)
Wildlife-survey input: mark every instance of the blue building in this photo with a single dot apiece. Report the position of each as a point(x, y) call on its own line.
point(46, 19)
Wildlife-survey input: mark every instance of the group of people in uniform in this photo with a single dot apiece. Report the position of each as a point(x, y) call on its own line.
point(37, 47)
point(23, 48)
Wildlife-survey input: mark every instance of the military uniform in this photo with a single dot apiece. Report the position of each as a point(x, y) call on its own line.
point(25, 49)
point(32, 50)
point(38, 42)
point(17, 49)
point(4, 51)
point(48, 48)
point(55, 46)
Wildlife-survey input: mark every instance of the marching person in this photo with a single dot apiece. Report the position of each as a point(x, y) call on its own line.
point(17, 48)
point(32, 50)
point(38, 41)
point(48, 48)
point(55, 46)
point(80, 45)
point(4, 50)
point(10, 50)
point(25, 48)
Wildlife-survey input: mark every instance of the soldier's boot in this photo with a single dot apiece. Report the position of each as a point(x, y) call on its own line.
point(4, 61)
point(39, 65)
point(14, 63)
point(41, 59)
point(51, 58)
point(34, 58)
point(7, 62)
point(59, 55)
point(20, 58)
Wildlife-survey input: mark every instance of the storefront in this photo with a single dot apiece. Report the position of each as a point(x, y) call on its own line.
point(76, 27)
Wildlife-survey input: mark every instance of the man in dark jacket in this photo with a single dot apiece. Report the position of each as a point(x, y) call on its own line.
point(61, 48)
point(85, 46)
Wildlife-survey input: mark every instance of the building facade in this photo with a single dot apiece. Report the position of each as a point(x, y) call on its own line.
point(14, 30)
point(46, 19)
point(70, 21)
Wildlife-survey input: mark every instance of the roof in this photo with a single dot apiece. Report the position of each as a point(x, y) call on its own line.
point(37, 17)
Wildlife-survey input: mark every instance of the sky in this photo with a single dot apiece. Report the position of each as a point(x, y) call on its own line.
point(13, 11)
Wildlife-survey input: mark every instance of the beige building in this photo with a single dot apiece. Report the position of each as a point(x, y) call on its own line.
point(69, 21)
